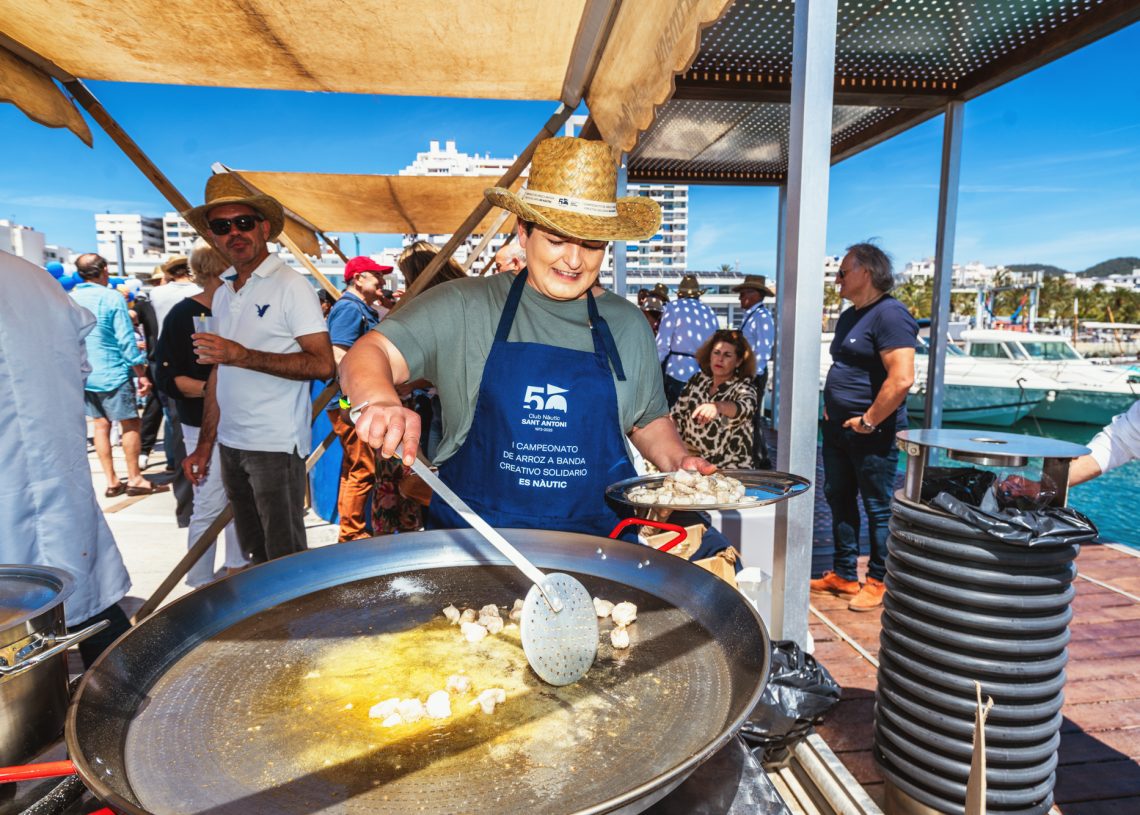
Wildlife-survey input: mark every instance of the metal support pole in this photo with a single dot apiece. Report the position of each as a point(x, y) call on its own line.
point(781, 225)
point(809, 164)
point(122, 261)
point(619, 257)
point(944, 261)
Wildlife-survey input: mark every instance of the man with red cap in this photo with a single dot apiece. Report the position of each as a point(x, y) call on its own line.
point(353, 316)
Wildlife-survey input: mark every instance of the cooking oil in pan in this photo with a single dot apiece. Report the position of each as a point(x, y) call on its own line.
point(271, 715)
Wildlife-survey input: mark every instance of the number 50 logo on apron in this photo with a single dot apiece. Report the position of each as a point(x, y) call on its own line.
point(550, 398)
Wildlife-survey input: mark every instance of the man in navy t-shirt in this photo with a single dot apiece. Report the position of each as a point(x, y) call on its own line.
point(864, 405)
point(351, 317)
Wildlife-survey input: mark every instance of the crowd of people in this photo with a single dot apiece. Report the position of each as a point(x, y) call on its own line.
point(526, 387)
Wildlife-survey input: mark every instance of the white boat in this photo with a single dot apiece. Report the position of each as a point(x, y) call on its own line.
point(977, 391)
point(1088, 393)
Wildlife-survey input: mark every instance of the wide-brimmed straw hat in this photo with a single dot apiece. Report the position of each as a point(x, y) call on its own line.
point(689, 287)
point(174, 263)
point(224, 188)
point(756, 282)
point(572, 190)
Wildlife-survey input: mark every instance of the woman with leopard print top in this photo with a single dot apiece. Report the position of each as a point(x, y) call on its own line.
point(714, 412)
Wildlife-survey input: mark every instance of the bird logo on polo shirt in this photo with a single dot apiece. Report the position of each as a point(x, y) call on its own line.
point(261, 309)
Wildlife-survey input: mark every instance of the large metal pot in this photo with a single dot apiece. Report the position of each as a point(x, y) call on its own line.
point(160, 723)
point(33, 665)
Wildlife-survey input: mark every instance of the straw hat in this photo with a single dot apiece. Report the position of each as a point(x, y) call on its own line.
point(756, 282)
point(689, 288)
point(572, 190)
point(224, 188)
point(174, 263)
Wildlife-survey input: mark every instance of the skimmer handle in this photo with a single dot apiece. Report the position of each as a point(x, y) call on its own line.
point(485, 529)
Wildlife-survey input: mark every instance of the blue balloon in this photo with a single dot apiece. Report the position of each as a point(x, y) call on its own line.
point(69, 281)
point(55, 268)
point(115, 281)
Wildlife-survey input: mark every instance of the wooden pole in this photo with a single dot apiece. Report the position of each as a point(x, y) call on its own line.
point(195, 552)
point(551, 128)
point(487, 237)
point(192, 556)
point(299, 253)
point(510, 238)
point(84, 97)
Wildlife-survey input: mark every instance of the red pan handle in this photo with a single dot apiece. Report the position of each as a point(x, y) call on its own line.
point(680, 530)
point(50, 769)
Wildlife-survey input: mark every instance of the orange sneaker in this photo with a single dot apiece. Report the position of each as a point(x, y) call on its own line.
point(831, 583)
point(870, 597)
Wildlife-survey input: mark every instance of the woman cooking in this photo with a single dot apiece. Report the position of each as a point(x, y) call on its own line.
point(714, 411)
point(543, 375)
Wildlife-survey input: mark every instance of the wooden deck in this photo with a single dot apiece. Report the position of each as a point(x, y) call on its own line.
point(1099, 772)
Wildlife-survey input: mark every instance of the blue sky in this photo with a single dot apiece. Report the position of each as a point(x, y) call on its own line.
point(1050, 167)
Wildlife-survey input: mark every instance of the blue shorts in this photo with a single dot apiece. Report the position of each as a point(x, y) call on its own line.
point(114, 406)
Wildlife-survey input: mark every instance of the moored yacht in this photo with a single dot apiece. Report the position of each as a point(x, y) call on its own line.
point(978, 391)
point(1087, 393)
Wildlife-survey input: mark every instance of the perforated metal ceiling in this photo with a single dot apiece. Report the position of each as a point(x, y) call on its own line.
point(897, 63)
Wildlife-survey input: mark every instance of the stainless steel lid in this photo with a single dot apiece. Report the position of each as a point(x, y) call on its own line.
point(26, 592)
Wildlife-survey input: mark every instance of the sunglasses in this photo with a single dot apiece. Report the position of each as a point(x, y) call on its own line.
point(245, 223)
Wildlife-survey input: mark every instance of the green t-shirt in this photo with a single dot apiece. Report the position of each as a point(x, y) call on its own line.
point(446, 333)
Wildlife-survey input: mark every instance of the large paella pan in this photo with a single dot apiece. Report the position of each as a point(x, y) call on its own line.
point(251, 695)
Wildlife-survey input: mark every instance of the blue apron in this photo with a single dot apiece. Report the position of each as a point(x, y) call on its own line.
point(546, 439)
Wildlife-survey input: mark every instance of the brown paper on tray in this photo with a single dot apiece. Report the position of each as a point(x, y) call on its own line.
point(722, 565)
point(685, 548)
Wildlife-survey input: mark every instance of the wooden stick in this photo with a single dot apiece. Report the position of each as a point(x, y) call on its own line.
point(551, 128)
point(510, 237)
point(188, 560)
point(84, 97)
point(195, 553)
point(487, 237)
point(326, 284)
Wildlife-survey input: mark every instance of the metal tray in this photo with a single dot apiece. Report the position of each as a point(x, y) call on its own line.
point(766, 486)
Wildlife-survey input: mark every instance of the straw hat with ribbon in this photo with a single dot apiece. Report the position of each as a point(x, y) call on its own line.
point(756, 282)
point(224, 188)
point(572, 190)
point(689, 287)
point(174, 263)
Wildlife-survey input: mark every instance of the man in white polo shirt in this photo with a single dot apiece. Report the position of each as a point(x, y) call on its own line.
point(271, 341)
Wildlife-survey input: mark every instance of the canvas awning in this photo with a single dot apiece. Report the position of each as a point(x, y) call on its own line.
point(378, 204)
point(492, 49)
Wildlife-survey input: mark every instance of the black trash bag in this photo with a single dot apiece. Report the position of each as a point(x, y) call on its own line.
point(968, 484)
point(799, 693)
point(1049, 526)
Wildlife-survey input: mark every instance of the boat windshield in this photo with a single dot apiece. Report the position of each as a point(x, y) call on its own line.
point(1055, 350)
point(996, 350)
point(921, 349)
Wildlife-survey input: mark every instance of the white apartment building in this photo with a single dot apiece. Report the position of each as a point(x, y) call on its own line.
point(142, 237)
point(666, 253)
point(449, 161)
point(177, 236)
point(60, 254)
point(22, 241)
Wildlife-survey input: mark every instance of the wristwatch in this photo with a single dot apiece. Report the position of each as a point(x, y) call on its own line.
point(863, 423)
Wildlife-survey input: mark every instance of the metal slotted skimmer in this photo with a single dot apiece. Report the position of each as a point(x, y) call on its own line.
point(559, 627)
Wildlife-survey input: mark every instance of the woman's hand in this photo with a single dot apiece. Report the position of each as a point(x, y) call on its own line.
point(697, 463)
point(705, 413)
point(385, 428)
